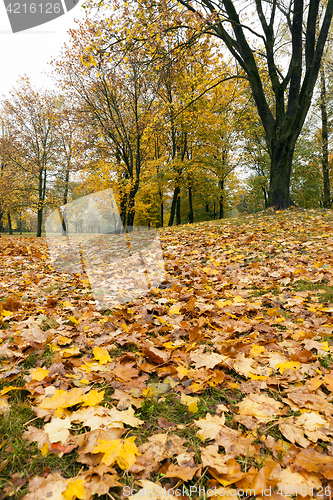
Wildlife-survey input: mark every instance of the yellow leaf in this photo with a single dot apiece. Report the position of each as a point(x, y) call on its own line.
point(6, 313)
point(273, 311)
point(73, 320)
point(123, 452)
point(9, 388)
point(67, 304)
point(72, 351)
point(93, 398)
point(62, 399)
point(257, 377)
point(75, 489)
point(174, 310)
point(62, 340)
point(148, 392)
point(222, 303)
point(101, 355)
point(39, 374)
point(190, 401)
point(44, 449)
point(238, 299)
point(256, 350)
point(193, 407)
point(182, 372)
point(325, 346)
point(288, 365)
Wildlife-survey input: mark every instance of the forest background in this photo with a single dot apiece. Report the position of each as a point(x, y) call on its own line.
point(164, 117)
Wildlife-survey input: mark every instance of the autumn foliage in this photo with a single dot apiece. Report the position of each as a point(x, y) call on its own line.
point(219, 378)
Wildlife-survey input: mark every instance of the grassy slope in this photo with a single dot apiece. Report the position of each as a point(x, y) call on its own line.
point(263, 280)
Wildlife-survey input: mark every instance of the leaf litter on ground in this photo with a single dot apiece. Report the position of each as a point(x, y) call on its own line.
point(220, 378)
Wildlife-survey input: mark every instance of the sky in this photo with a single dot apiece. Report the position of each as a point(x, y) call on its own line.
point(29, 52)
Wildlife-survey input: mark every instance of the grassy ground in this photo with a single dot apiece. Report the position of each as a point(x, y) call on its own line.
point(256, 292)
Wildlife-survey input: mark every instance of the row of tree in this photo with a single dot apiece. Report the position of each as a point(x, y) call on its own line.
point(147, 103)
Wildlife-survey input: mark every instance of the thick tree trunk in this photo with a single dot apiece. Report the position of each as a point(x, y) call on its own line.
point(324, 142)
point(173, 205)
point(10, 228)
point(190, 205)
point(130, 213)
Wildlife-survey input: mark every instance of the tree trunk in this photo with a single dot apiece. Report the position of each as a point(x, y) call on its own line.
point(173, 205)
point(20, 224)
point(265, 196)
point(324, 141)
point(190, 204)
point(221, 200)
point(41, 199)
point(66, 184)
point(123, 211)
point(280, 172)
point(10, 228)
point(162, 213)
point(1, 222)
point(178, 210)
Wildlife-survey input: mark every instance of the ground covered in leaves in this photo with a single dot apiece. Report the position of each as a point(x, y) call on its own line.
point(217, 384)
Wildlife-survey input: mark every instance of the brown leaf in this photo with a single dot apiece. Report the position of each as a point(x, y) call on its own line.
point(312, 461)
point(125, 372)
point(154, 355)
point(234, 443)
point(184, 473)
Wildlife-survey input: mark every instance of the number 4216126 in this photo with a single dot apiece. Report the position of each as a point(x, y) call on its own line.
point(34, 8)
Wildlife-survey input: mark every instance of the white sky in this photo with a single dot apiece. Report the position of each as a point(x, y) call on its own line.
point(29, 52)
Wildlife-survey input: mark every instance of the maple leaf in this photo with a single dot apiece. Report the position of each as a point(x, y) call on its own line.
point(184, 473)
point(53, 486)
point(39, 374)
point(190, 401)
point(102, 355)
point(62, 399)
point(312, 461)
point(208, 359)
point(58, 429)
point(151, 490)
point(210, 426)
point(124, 452)
point(290, 482)
point(223, 467)
point(75, 489)
point(93, 398)
point(262, 407)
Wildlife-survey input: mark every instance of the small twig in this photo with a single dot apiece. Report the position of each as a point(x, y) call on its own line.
point(109, 494)
point(35, 418)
